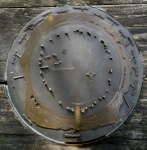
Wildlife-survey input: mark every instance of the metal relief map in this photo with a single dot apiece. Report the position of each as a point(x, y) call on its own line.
point(74, 74)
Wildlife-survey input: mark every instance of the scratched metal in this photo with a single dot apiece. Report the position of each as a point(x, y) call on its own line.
point(74, 74)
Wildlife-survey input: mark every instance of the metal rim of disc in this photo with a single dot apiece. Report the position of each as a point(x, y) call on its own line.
point(18, 48)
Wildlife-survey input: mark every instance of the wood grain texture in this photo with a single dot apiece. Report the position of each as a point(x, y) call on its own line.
point(53, 3)
point(15, 135)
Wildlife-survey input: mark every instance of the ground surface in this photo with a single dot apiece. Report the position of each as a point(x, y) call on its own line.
point(14, 14)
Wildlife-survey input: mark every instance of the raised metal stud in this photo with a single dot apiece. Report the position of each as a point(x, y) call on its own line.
point(41, 46)
point(43, 81)
point(81, 31)
point(95, 36)
point(109, 80)
point(106, 90)
point(40, 72)
point(40, 59)
point(103, 96)
point(59, 62)
point(51, 39)
point(67, 108)
point(44, 67)
point(77, 30)
point(72, 109)
point(60, 102)
point(41, 53)
point(102, 41)
point(100, 98)
point(48, 56)
point(105, 45)
point(39, 64)
point(88, 33)
point(111, 58)
point(66, 33)
point(82, 110)
point(50, 89)
point(53, 55)
point(94, 102)
point(58, 35)
point(110, 71)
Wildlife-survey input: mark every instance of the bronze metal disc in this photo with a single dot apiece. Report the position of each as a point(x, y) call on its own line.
point(74, 74)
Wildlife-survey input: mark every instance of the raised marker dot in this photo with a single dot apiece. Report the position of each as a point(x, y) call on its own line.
point(67, 108)
point(41, 46)
point(109, 80)
point(50, 89)
point(105, 45)
point(110, 71)
point(103, 96)
point(72, 109)
point(102, 41)
point(94, 102)
point(111, 58)
point(60, 102)
point(82, 110)
point(88, 33)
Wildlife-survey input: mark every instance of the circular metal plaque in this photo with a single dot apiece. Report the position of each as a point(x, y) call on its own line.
point(74, 74)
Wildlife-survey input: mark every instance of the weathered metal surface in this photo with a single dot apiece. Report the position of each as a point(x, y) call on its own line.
point(75, 74)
